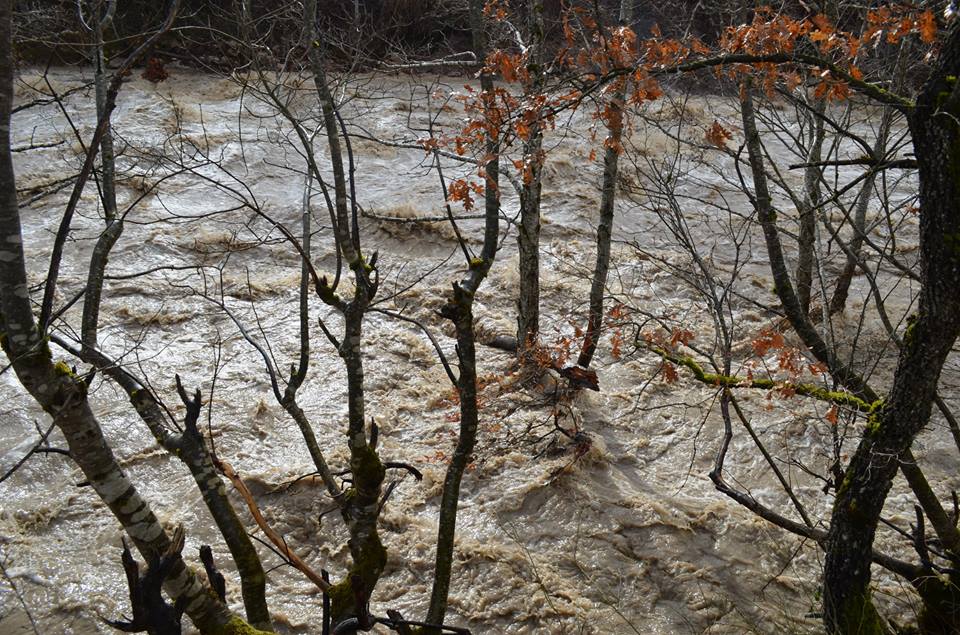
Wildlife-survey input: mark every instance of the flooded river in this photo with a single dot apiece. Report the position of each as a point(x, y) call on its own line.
point(625, 534)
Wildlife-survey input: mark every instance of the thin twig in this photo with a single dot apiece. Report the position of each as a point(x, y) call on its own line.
point(16, 591)
point(36, 448)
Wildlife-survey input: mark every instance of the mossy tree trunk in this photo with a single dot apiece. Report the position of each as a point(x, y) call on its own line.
point(360, 503)
point(63, 395)
point(851, 546)
point(936, 141)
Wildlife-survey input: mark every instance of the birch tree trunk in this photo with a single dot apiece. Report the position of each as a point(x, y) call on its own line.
point(63, 395)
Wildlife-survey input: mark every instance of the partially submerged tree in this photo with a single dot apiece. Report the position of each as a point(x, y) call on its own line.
point(774, 52)
point(59, 390)
point(772, 45)
point(530, 130)
point(621, 45)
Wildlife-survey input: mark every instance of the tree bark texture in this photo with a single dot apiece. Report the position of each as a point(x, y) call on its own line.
point(927, 342)
point(608, 198)
point(528, 231)
point(63, 395)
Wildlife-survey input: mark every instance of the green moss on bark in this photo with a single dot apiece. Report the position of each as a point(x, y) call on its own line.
point(366, 570)
point(734, 381)
point(859, 616)
point(236, 626)
point(875, 418)
point(368, 470)
point(62, 368)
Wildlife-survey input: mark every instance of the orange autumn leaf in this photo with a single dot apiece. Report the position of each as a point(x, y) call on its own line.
point(817, 368)
point(839, 91)
point(617, 311)
point(718, 135)
point(523, 130)
point(831, 415)
point(616, 345)
point(768, 339)
point(927, 25)
point(791, 361)
point(824, 29)
point(670, 374)
point(459, 191)
point(681, 336)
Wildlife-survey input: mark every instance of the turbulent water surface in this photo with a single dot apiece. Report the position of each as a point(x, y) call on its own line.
point(623, 534)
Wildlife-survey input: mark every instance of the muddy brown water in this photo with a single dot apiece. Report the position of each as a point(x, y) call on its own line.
point(630, 537)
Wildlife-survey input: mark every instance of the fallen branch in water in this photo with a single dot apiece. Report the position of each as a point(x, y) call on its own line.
point(274, 537)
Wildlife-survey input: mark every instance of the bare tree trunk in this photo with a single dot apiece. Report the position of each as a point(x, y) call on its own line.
point(299, 371)
point(766, 216)
point(114, 225)
point(806, 258)
point(460, 310)
point(360, 504)
point(608, 198)
point(63, 395)
point(859, 611)
point(194, 453)
point(927, 342)
point(103, 113)
point(108, 195)
point(528, 232)
point(346, 232)
point(842, 288)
